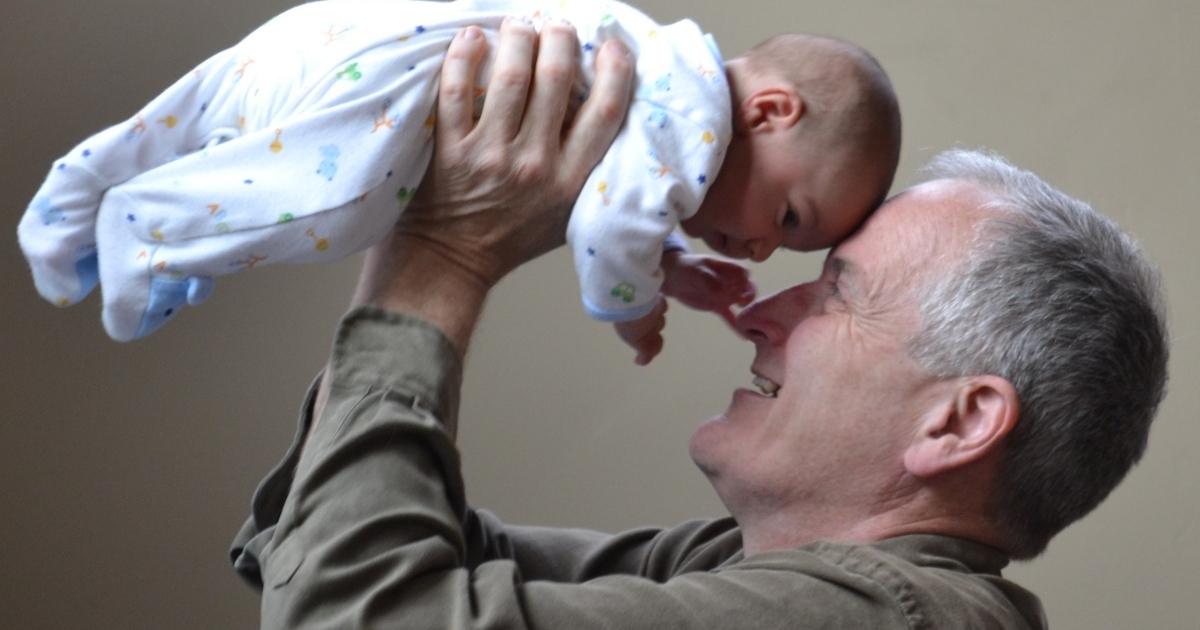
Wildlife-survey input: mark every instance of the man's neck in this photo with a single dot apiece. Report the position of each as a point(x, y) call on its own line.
point(921, 514)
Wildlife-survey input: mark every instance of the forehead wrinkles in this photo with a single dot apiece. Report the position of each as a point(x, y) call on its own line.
point(917, 236)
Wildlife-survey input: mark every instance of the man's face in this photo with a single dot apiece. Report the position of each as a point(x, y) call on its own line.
point(848, 397)
point(773, 192)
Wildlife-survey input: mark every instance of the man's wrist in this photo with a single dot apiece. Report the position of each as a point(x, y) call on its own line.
point(414, 276)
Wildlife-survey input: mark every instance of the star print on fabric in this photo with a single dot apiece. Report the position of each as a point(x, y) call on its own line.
point(62, 165)
point(588, 47)
point(87, 153)
point(130, 218)
point(702, 179)
point(658, 117)
point(248, 181)
point(591, 252)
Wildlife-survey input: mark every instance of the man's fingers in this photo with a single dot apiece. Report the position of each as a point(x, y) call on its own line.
point(456, 94)
point(600, 117)
point(508, 87)
point(557, 58)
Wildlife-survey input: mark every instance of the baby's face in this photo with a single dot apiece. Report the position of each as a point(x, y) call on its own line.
point(772, 193)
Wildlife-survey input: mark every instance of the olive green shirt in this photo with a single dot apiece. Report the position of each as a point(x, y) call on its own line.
point(367, 527)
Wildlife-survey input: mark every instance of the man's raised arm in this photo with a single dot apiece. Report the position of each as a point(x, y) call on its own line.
point(499, 193)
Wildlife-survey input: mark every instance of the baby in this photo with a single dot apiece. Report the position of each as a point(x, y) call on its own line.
point(304, 143)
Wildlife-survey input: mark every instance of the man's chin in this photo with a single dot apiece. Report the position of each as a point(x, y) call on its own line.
point(706, 442)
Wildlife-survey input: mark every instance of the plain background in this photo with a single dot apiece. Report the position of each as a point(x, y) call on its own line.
point(125, 469)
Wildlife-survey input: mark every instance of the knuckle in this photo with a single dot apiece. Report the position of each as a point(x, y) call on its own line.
point(617, 65)
point(490, 162)
point(510, 77)
point(609, 109)
point(454, 91)
point(533, 168)
point(556, 71)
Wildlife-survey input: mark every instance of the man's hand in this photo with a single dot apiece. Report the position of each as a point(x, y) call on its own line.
point(706, 283)
point(645, 334)
point(498, 193)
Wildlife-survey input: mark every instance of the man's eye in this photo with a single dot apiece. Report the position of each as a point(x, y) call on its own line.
point(834, 290)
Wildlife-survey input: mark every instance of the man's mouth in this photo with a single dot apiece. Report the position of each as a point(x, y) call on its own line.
point(765, 385)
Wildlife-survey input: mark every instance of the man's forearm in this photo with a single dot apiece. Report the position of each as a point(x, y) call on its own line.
point(406, 275)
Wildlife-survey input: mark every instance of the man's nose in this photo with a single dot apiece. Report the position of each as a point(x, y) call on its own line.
point(771, 319)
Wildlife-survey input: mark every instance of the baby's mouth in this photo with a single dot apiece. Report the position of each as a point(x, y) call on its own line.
point(765, 385)
point(718, 243)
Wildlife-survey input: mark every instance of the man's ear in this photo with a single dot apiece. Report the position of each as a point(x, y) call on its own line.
point(774, 108)
point(965, 426)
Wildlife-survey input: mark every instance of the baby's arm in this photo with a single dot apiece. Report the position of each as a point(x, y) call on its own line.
point(706, 283)
point(645, 334)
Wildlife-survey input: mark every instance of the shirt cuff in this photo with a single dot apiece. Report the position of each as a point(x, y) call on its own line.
point(375, 347)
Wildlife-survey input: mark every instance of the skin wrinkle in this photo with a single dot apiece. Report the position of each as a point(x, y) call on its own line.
point(852, 397)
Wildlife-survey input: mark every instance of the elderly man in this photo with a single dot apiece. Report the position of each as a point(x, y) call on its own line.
point(974, 369)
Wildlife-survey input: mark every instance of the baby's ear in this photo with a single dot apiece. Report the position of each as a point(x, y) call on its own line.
point(775, 108)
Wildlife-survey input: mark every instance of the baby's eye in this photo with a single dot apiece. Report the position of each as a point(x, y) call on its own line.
point(791, 218)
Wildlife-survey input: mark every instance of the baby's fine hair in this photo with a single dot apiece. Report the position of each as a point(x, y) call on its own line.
point(844, 88)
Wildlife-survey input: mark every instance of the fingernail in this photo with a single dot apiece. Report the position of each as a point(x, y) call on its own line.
point(470, 32)
point(617, 46)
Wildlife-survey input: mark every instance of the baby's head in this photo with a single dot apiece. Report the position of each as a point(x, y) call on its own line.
point(815, 146)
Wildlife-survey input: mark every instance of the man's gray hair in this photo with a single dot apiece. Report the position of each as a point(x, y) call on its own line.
point(1058, 300)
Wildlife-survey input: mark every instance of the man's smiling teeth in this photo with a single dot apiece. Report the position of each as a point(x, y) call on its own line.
point(767, 386)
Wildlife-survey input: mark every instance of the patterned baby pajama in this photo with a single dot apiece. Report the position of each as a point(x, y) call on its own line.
point(304, 142)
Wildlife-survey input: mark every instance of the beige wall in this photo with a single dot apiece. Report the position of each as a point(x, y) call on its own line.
point(126, 468)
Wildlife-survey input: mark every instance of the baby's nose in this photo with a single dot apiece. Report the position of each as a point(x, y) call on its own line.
point(761, 249)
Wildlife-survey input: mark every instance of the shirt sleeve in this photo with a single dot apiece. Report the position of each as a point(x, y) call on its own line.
point(571, 555)
point(367, 527)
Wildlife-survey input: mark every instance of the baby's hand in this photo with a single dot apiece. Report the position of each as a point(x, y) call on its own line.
point(645, 334)
point(706, 283)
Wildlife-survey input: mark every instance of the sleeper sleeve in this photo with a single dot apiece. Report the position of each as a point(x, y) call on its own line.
point(654, 175)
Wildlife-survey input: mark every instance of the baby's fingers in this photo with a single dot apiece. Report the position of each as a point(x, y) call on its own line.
point(648, 348)
point(729, 316)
